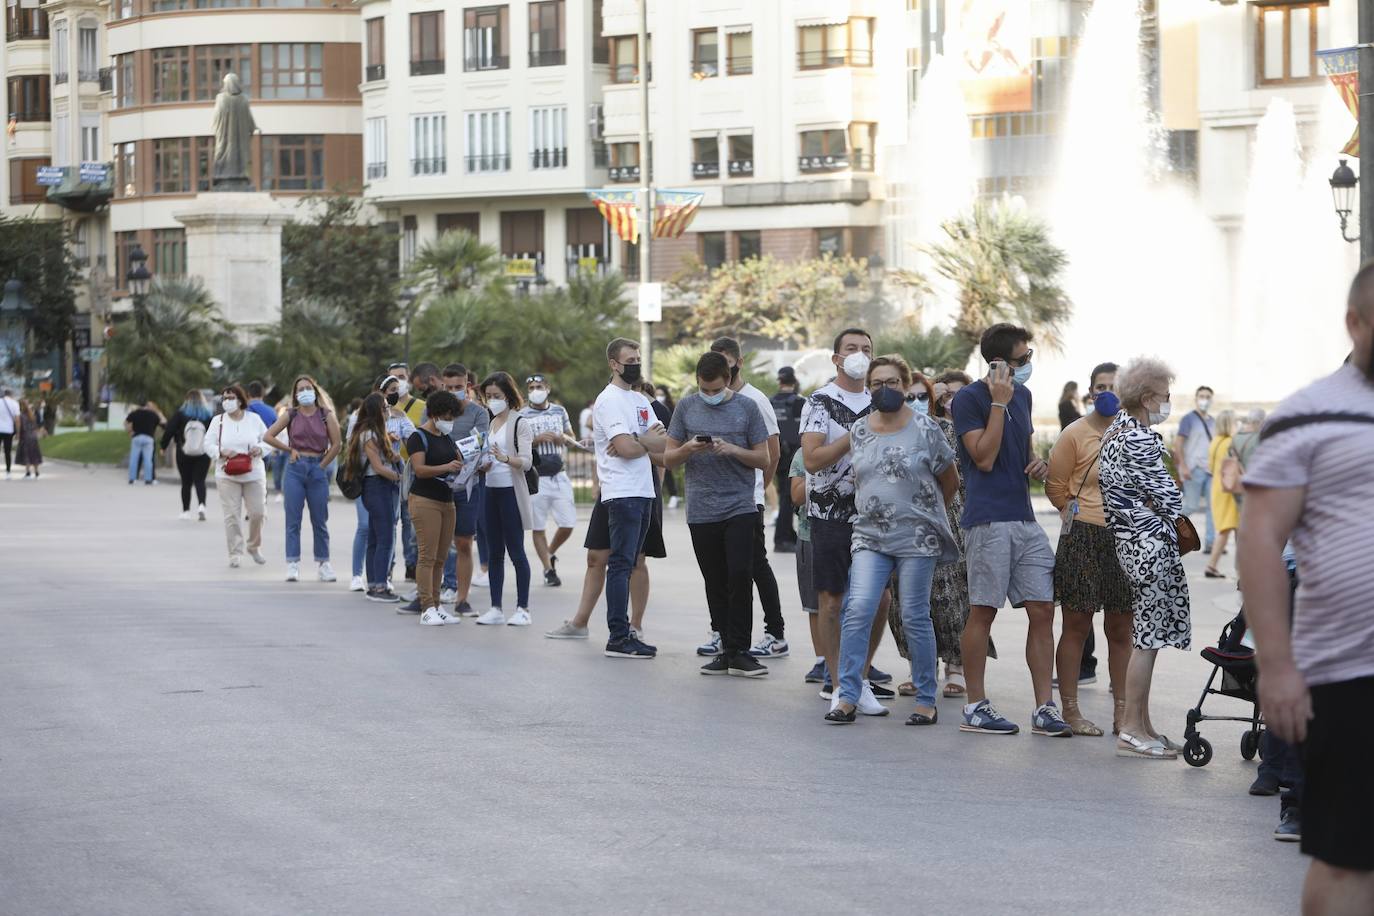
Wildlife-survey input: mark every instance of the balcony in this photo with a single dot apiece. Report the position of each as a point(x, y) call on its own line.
point(706, 169)
point(435, 166)
point(84, 188)
point(374, 72)
point(704, 69)
point(31, 115)
point(59, 79)
point(488, 163)
point(554, 58)
point(27, 33)
point(549, 158)
point(106, 79)
point(491, 62)
point(840, 57)
point(89, 76)
point(741, 168)
point(377, 170)
point(426, 67)
point(623, 173)
point(629, 73)
point(858, 161)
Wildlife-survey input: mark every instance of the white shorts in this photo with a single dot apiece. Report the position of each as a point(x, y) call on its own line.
point(555, 497)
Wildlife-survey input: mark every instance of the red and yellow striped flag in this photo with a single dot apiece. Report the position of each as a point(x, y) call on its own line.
point(1342, 65)
point(620, 209)
point(674, 212)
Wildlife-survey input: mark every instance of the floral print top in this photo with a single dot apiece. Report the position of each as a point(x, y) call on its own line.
point(901, 510)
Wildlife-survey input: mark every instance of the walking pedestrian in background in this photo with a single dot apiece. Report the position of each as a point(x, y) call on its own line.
point(314, 441)
point(9, 425)
point(1192, 445)
point(187, 429)
point(141, 424)
point(234, 443)
point(787, 407)
point(30, 431)
point(1225, 509)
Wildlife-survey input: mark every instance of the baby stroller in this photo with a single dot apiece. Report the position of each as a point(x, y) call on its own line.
point(1235, 663)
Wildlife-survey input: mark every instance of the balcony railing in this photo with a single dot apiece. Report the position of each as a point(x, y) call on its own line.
point(623, 173)
point(89, 76)
point(492, 62)
point(106, 79)
point(600, 154)
point(741, 168)
point(31, 114)
point(377, 170)
point(555, 57)
point(739, 66)
point(705, 69)
point(26, 33)
point(426, 67)
point(840, 57)
point(837, 162)
point(374, 72)
point(435, 166)
point(549, 158)
point(488, 163)
point(59, 78)
point(706, 169)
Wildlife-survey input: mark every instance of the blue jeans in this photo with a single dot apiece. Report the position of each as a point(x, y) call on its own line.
point(360, 537)
point(278, 464)
point(306, 483)
point(379, 496)
point(868, 575)
point(464, 525)
point(506, 535)
point(479, 493)
point(628, 518)
point(1197, 494)
point(141, 449)
point(409, 550)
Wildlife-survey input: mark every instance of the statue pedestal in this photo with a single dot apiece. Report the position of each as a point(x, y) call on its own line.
point(233, 243)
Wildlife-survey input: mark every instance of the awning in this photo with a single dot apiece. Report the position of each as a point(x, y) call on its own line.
point(738, 29)
point(824, 20)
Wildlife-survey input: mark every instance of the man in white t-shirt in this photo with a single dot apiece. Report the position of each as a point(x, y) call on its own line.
point(772, 644)
point(9, 424)
point(625, 432)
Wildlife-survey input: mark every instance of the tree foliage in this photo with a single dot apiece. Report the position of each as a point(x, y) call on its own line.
point(675, 368)
point(932, 349)
point(165, 345)
point(455, 260)
point(38, 254)
point(315, 338)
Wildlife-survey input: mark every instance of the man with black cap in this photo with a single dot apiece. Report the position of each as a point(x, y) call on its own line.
point(787, 407)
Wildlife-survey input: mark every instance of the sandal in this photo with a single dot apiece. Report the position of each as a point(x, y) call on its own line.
point(906, 689)
point(920, 718)
point(1171, 745)
point(1212, 572)
point(1077, 723)
point(1131, 746)
point(838, 716)
point(955, 686)
point(1118, 713)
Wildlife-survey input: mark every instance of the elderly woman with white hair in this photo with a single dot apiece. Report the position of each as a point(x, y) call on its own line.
point(1143, 506)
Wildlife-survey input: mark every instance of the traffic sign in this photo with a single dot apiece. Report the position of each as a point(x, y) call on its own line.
point(651, 302)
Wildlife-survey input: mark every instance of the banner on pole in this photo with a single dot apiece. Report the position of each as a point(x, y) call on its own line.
point(620, 208)
point(1342, 65)
point(674, 212)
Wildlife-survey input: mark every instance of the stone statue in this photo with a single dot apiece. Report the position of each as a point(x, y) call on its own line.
point(233, 128)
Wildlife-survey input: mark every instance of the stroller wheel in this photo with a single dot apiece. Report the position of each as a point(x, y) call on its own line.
point(1249, 745)
point(1198, 752)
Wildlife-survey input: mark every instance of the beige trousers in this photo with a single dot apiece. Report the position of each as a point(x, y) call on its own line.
point(236, 499)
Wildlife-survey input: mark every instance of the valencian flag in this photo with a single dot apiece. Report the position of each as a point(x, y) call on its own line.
point(673, 211)
point(1342, 65)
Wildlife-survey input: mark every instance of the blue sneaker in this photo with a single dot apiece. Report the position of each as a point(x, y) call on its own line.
point(629, 647)
point(878, 677)
point(817, 673)
point(1048, 722)
point(985, 720)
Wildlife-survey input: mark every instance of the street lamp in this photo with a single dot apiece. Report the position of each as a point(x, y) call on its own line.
point(851, 288)
point(407, 299)
point(1343, 182)
point(139, 276)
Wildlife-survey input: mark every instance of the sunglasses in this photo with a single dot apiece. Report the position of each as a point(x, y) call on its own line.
point(922, 397)
point(534, 378)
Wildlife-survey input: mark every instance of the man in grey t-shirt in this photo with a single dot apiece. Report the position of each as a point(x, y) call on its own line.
point(722, 439)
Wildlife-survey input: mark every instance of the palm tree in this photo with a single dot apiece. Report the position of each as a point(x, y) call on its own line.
point(933, 349)
point(455, 260)
point(315, 338)
point(166, 345)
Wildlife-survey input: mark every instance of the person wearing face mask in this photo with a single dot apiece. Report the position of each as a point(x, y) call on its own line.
point(786, 404)
point(723, 439)
point(1009, 556)
point(399, 428)
point(371, 455)
point(1192, 445)
point(552, 436)
point(434, 459)
point(242, 485)
point(424, 380)
point(315, 440)
point(470, 419)
point(508, 511)
point(1143, 505)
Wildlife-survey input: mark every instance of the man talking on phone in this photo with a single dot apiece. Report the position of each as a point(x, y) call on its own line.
point(1009, 556)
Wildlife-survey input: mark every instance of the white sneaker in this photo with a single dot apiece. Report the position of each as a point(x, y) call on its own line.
point(868, 704)
point(185, 516)
point(293, 572)
point(200, 512)
point(327, 573)
point(448, 596)
point(258, 558)
point(356, 584)
point(672, 502)
point(521, 618)
point(437, 617)
point(481, 579)
point(279, 498)
point(493, 617)
point(410, 596)
point(234, 562)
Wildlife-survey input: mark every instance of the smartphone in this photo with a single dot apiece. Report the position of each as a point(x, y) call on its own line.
point(703, 438)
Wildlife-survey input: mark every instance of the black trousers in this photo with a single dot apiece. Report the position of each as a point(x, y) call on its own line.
point(784, 532)
point(192, 469)
point(7, 441)
point(766, 583)
point(725, 556)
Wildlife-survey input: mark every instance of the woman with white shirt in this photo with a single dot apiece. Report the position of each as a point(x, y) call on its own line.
point(508, 514)
point(234, 444)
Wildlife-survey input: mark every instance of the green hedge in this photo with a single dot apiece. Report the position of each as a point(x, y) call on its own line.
point(101, 446)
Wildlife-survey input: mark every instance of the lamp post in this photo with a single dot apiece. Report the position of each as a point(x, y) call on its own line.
point(407, 298)
point(139, 277)
point(16, 304)
point(1343, 183)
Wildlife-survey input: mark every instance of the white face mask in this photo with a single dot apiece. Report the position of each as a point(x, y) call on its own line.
point(856, 365)
point(402, 387)
point(461, 394)
point(538, 396)
point(444, 426)
point(1204, 404)
point(231, 405)
point(1159, 416)
point(306, 396)
point(497, 406)
point(662, 398)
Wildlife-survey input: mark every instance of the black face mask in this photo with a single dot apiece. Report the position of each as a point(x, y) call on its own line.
point(392, 398)
point(734, 374)
point(630, 373)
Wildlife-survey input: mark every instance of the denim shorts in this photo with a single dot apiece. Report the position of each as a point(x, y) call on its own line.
point(465, 516)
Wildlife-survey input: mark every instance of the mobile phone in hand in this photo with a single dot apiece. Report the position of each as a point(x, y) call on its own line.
point(706, 439)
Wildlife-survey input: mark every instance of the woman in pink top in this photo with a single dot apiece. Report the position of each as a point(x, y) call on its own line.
point(313, 436)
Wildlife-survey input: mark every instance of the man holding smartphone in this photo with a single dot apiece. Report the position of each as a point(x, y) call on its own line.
point(722, 438)
point(1009, 556)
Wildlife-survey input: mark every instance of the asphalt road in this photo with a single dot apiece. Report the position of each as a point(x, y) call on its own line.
point(180, 737)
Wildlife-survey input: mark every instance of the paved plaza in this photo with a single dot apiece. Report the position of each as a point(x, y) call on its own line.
point(180, 737)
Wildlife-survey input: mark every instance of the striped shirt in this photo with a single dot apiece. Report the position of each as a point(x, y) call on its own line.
point(1333, 625)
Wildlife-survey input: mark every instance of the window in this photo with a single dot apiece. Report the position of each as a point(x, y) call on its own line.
point(90, 143)
point(23, 23)
point(625, 58)
point(843, 44)
point(426, 43)
point(169, 252)
point(624, 162)
point(830, 242)
point(126, 169)
point(705, 54)
point(410, 237)
point(712, 249)
point(522, 234)
point(291, 71)
point(546, 34)
point(1183, 154)
point(739, 47)
point(863, 138)
point(823, 150)
point(488, 141)
point(485, 39)
point(374, 148)
point(88, 53)
point(124, 89)
point(741, 164)
point(205, 162)
point(586, 235)
point(471, 223)
point(61, 139)
point(428, 146)
point(1287, 36)
point(30, 98)
point(213, 62)
point(293, 162)
point(172, 166)
point(750, 244)
point(548, 138)
point(705, 157)
point(171, 74)
point(124, 246)
point(601, 45)
point(376, 49)
point(59, 52)
point(24, 186)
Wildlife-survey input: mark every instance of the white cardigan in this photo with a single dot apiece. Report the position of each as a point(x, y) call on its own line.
point(522, 459)
point(238, 436)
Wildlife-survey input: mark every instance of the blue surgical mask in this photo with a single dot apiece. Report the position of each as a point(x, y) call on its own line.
point(714, 399)
point(1021, 374)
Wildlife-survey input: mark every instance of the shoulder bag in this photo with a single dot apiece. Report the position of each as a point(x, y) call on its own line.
point(1232, 473)
point(241, 463)
point(1188, 540)
point(532, 472)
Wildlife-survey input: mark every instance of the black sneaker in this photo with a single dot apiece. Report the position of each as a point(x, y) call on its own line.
point(880, 692)
point(1265, 784)
point(1086, 677)
point(742, 664)
point(629, 647)
point(551, 578)
point(878, 677)
point(382, 594)
point(412, 608)
point(410, 573)
point(717, 665)
point(1290, 826)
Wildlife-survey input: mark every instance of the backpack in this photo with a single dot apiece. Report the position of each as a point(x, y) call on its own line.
point(193, 438)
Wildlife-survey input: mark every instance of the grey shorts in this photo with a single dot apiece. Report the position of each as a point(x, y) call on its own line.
point(1008, 561)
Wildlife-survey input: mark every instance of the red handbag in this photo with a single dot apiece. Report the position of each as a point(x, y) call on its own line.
point(239, 464)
